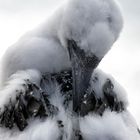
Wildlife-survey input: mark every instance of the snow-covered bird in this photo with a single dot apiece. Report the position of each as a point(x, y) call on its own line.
point(91, 26)
point(49, 79)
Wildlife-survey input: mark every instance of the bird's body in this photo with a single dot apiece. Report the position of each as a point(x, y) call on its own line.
point(44, 55)
point(107, 123)
point(75, 38)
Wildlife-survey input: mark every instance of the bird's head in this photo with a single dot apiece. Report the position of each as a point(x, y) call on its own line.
point(88, 29)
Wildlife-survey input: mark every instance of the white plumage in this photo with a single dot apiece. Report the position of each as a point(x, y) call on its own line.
point(110, 126)
point(94, 25)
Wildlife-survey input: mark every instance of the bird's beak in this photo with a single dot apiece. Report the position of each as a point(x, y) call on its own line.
point(82, 68)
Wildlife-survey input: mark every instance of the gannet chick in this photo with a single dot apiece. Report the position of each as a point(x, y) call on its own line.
point(78, 35)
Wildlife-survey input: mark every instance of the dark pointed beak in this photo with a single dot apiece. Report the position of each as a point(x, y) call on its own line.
point(82, 68)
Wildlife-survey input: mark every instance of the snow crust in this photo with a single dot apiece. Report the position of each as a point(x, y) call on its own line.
point(94, 24)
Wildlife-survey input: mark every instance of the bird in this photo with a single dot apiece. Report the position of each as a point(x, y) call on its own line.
point(104, 111)
point(92, 26)
point(50, 81)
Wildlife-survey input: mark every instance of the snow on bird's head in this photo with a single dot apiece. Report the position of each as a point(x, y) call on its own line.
point(94, 24)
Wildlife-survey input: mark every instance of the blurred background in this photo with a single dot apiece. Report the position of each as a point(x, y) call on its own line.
point(122, 62)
